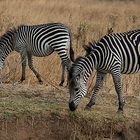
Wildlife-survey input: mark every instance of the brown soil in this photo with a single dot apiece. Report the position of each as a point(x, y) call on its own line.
point(41, 113)
point(56, 128)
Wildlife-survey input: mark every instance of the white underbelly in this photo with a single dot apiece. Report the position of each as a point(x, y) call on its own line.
point(42, 51)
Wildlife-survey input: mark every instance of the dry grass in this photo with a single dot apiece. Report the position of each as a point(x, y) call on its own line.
point(47, 106)
point(39, 112)
point(88, 20)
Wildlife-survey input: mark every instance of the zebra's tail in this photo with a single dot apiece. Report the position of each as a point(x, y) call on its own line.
point(71, 54)
point(71, 51)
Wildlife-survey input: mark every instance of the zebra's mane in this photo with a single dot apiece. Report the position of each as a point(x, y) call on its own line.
point(78, 59)
point(90, 47)
point(7, 33)
point(38, 25)
point(21, 25)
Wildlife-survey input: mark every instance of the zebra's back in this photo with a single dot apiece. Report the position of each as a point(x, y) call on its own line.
point(42, 39)
point(126, 48)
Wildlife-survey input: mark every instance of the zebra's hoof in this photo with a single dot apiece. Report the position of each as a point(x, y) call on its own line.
point(17, 83)
point(61, 84)
point(41, 82)
point(120, 111)
point(87, 108)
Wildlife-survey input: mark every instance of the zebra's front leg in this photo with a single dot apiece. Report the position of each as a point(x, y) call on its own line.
point(98, 85)
point(62, 75)
point(66, 64)
point(30, 63)
point(23, 60)
point(117, 81)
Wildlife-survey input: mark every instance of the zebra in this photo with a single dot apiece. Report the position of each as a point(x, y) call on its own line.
point(40, 41)
point(115, 53)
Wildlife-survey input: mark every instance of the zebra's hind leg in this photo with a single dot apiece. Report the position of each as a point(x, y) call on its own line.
point(98, 85)
point(62, 75)
point(30, 63)
point(117, 81)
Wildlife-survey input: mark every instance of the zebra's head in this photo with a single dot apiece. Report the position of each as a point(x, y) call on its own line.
point(77, 84)
point(6, 45)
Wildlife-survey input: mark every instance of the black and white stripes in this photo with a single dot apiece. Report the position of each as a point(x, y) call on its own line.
point(40, 41)
point(115, 53)
point(6, 46)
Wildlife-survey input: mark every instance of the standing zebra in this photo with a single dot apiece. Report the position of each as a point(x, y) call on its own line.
point(116, 53)
point(40, 41)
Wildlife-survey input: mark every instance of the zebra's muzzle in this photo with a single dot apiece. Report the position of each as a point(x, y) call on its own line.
point(72, 106)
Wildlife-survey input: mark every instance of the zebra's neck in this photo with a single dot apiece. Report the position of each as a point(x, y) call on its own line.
point(88, 64)
point(6, 45)
point(7, 40)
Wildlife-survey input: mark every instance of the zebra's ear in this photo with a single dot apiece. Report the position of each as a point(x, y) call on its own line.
point(91, 44)
point(85, 46)
point(87, 49)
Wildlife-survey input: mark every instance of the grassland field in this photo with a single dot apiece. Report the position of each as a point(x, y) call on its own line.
point(30, 111)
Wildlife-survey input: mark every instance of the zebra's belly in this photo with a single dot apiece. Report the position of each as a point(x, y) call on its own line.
point(42, 52)
point(130, 69)
point(37, 54)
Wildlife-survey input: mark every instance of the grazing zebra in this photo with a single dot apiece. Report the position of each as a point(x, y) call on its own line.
point(40, 41)
point(116, 53)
